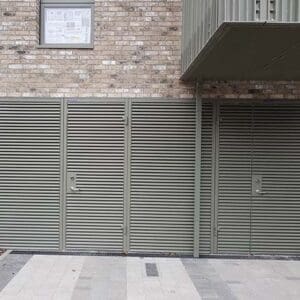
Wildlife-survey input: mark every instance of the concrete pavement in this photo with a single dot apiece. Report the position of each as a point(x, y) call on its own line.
point(97, 277)
point(230, 279)
point(137, 278)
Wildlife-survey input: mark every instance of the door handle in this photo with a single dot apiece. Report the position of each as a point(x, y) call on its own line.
point(74, 189)
point(72, 183)
point(257, 185)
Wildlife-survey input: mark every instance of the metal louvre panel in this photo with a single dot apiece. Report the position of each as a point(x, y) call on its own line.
point(234, 179)
point(276, 215)
point(206, 179)
point(95, 152)
point(30, 174)
point(162, 176)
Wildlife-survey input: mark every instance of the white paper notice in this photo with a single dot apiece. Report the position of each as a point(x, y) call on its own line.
point(68, 25)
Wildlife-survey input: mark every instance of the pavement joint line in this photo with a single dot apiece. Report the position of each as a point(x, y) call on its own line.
point(5, 254)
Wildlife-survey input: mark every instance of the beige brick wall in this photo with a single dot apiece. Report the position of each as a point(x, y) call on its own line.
point(247, 90)
point(136, 54)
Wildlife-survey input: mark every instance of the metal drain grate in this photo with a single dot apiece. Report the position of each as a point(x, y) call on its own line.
point(151, 270)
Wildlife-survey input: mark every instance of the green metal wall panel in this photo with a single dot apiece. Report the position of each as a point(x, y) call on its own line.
point(162, 176)
point(96, 154)
point(30, 174)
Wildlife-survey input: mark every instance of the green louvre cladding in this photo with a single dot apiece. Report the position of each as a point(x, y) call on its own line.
point(97, 175)
point(119, 176)
point(30, 174)
point(162, 176)
point(250, 141)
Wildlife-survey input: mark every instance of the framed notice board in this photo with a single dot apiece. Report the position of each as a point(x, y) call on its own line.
point(67, 24)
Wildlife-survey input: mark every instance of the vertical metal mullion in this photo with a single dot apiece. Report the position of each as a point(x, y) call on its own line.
point(63, 174)
point(127, 176)
point(198, 148)
point(252, 173)
point(215, 176)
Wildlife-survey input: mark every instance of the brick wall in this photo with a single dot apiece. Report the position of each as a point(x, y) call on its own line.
point(247, 90)
point(136, 54)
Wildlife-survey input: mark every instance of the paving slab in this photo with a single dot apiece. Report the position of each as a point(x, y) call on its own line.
point(102, 278)
point(207, 280)
point(10, 266)
point(173, 281)
point(231, 279)
point(45, 277)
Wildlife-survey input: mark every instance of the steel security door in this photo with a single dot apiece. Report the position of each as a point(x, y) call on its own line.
point(275, 209)
point(95, 175)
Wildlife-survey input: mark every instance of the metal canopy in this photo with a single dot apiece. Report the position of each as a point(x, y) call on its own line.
point(249, 51)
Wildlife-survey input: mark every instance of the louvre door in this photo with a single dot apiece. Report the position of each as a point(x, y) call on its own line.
point(30, 135)
point(232, 179)
point(276, 164)
point(95, 175)
point(162, 176)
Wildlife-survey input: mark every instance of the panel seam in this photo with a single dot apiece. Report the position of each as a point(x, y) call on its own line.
point(63, 174)
point(197, 180)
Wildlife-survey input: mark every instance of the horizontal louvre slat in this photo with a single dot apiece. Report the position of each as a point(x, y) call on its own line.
point(30, 175)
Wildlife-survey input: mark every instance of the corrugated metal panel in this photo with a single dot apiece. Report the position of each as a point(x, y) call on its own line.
point(206, 179)
point(95, 152)
point(233, 194)
point(162, 176)
point(276, 157)
point(29, 174)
